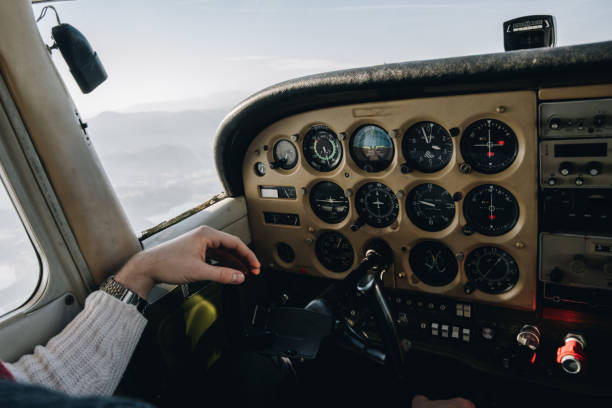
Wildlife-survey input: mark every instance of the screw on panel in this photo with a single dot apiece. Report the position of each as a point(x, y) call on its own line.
point(500, 109)
point(294, 138)
point(405, 169)
point(349, 192)
point(347, 174)
point(400, 194)
point(309, 241)
point(457, 196)
point(465, 168)
point(394, 133)
point(519, 244)
point(402, 275)
point(341, 136)
point(460, 256)
point(454, 132)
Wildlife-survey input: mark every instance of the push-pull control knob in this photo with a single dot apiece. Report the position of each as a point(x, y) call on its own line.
point(571, 355)
point(529, 337)
point(566, 168)
point(554, 124)
point(593, 168)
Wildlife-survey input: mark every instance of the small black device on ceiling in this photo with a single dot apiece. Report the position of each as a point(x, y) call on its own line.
point(529, 32)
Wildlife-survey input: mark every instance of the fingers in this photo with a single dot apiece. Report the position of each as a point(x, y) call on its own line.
point(226, 258)
point(219, 239)
point(221, 274)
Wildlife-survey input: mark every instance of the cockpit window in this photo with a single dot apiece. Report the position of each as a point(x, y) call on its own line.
point(177, 67)
point(20, 269)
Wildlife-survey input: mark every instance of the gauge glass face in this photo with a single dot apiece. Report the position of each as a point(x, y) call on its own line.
point(491, 269)
point(285, 154)
point(489, 146)
point(433, 263)
point(491, 210)
point(430, 207)
point(372, 148)
point(334, 251)
point(427, 147)
point(377, 205)
point(328, 202)
point(322, 148)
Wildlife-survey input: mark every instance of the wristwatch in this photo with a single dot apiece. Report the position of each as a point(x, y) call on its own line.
point(115, 289)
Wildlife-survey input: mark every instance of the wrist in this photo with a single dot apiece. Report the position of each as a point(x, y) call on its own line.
point(134, 277)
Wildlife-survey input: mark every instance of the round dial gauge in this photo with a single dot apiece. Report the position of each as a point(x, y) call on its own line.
point(322, 148)
point(491, 210)
point(334, 251)
point(376, 204)
point(491, 269)
point(433, 263)
point(285, 155)
point(328, 202)
point(430, 207)
point(427, 147)
point(489, 146)
point(372, 148)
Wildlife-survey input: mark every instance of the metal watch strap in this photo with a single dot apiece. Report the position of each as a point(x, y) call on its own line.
point(115, 289)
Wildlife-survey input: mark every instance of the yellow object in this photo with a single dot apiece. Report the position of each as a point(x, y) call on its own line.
point(200, 314)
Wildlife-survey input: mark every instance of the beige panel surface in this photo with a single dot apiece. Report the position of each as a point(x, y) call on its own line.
point(519, 112)
point(575, 92)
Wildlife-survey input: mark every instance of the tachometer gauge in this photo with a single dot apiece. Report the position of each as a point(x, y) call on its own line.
point(328, 202)
point(427, 147)
point(433, 263)
point(372, 148)
point(285, 155)
point(489, 146)
point(322, 148)
point(491, 210)
point(376, 204)
point(430, 207)
point(334, 251)
point(491, 269)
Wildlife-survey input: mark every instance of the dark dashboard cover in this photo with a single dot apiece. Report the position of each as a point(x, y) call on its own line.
point(515, 70)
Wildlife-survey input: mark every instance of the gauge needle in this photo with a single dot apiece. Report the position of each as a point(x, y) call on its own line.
point(426, 203)
point(435, 147)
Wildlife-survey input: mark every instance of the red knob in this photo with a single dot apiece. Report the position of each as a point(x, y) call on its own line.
point(571, 355)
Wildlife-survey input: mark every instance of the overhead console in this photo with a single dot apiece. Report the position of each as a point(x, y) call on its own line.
point(449, 183)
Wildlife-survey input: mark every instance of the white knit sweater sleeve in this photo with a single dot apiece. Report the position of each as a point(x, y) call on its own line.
point(90, 355)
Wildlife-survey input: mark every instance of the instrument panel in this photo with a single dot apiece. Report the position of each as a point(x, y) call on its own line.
point(449, 183)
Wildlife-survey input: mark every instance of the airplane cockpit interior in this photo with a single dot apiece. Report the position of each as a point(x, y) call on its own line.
point(438, 227)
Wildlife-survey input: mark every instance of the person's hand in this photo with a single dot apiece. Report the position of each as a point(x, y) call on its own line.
point(421, 401)
point(183, 260)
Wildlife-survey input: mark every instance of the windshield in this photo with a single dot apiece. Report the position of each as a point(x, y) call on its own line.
point(177, 67)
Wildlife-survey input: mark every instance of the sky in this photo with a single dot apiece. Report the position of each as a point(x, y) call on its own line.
point(156, 51)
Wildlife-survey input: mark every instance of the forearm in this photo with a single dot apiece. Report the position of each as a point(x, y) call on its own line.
point(90, 355)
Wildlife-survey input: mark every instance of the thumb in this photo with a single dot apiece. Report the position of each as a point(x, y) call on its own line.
point(220, 274)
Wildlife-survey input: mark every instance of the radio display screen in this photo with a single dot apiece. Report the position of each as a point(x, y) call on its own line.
point(581, 150)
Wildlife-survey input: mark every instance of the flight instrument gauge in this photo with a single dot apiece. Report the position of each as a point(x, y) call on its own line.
point(427, 147)
point(328, 202)
point(430, 207)
point(322, 148)
point(376, 204)
point(285, 155)
point(491, 269)
point(433, 263)
point(334, 251)
point(489, 146)
point(372, 148)
point(491, 210)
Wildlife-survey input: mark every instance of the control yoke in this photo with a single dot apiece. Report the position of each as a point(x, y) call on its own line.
point(374, 265)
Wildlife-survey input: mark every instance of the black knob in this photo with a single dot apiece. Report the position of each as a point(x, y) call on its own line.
point(554, 124)
point(556, 275)
point(566, 168)
point(579, 181)
point(593, 168)
point(599, 120)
